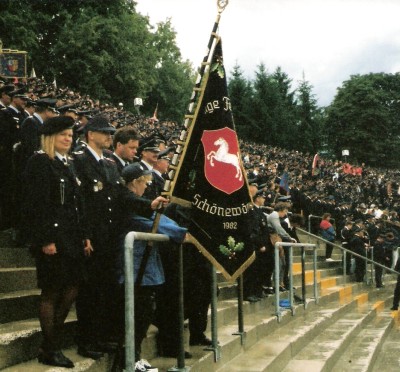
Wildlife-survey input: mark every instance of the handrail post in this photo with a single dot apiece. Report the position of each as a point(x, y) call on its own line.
point(129, 304)
point(214, 326)
point(276, 276)
point(344, 268)
point(372, 266)
point(291, 279)
point(240, 331)
point(315, 274)
point(303, 277)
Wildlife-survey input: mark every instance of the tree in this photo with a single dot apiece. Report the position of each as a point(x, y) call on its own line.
point(102, 48)
point(174, 77)
point(309, 116)
point(285, 111)
point(241, 96)
point(364, 118)
point(265, 103)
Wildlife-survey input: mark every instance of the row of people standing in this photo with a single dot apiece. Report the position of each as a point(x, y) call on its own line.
point(79, 209)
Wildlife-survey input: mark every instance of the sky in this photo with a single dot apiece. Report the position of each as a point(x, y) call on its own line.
point(326, 41)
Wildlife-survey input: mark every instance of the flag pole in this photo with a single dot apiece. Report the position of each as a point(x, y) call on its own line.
point(190, 117)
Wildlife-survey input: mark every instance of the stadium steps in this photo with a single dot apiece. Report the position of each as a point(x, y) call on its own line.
point(20, 334)
point(388, 358)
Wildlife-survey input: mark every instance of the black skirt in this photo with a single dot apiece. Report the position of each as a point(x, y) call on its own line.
point(58, 271)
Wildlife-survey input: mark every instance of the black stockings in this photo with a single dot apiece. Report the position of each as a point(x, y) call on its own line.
point(53, 310)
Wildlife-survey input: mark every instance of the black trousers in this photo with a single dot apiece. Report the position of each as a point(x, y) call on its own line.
point(95, 304)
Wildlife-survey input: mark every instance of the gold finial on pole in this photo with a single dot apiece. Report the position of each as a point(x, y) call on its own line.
point(222, 5)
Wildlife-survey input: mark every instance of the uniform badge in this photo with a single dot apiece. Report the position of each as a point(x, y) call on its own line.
point(95, 186)
point(100, 185)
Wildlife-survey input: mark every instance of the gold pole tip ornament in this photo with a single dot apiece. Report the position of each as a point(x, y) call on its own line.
point(222, 5)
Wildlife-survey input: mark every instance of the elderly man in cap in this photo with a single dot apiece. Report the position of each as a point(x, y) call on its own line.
point(100, 187)
point(149, 151)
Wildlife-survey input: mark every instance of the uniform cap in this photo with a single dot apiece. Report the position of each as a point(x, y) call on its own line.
point(99, 124)
point(46, 102)
point(56, 125)
point(164, 155)
point(7, 89)
point(134, 171)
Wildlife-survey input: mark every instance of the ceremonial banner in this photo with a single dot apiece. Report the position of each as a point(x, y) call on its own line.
point(13, 64)
point(210, 176)
point(315, 166)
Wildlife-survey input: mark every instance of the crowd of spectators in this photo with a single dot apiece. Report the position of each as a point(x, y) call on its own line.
point(328, 188)
point(331, 190)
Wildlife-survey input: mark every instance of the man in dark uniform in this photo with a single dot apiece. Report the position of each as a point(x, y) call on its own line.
point(255, 276)
point(100, 186)
point(10, 122)
point(126, 143)
point(30, 127)
point(346, 235)
point(359, 246)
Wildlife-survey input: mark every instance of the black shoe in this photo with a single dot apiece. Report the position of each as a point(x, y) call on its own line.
point(200, 341)
point(55, 358)
point(106, 347)
point(88, 352)
point(394, 308)
point(252, 299)
point(269, 290)
point(174, 354)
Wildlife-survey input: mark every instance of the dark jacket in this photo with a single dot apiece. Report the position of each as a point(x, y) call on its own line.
point(30, 137)
point(100, 187)
point(53, 205)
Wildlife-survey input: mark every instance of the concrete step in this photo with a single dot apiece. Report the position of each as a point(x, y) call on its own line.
point(325, 349)
point(17, 279)
point(20, 341)
point(261, 326)
point(361, 355)
point(18, 305)
point(81, 364)
point(15, 257)
point(388, 358)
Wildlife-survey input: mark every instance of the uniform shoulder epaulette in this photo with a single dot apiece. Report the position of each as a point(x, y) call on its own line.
point(77, 152)
point(110, 160)
point(40, 152)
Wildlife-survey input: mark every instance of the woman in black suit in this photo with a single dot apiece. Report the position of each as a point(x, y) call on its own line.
point(58, 240)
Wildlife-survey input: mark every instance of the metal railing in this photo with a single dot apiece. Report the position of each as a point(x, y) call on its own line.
point(303, 246)
point(130, 239)
point(348, 251)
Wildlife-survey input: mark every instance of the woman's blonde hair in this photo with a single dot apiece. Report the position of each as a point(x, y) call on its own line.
point(47, 145)
point(145, 178)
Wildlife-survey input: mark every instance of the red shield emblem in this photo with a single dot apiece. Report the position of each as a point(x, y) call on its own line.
point(222, 165)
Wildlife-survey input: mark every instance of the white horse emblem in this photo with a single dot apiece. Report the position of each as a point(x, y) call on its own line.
point(222, 155)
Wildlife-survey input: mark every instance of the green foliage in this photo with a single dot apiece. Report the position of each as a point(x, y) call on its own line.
point(102, 48)
point(364, 118)
point(232, 248)
point(310, 119)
